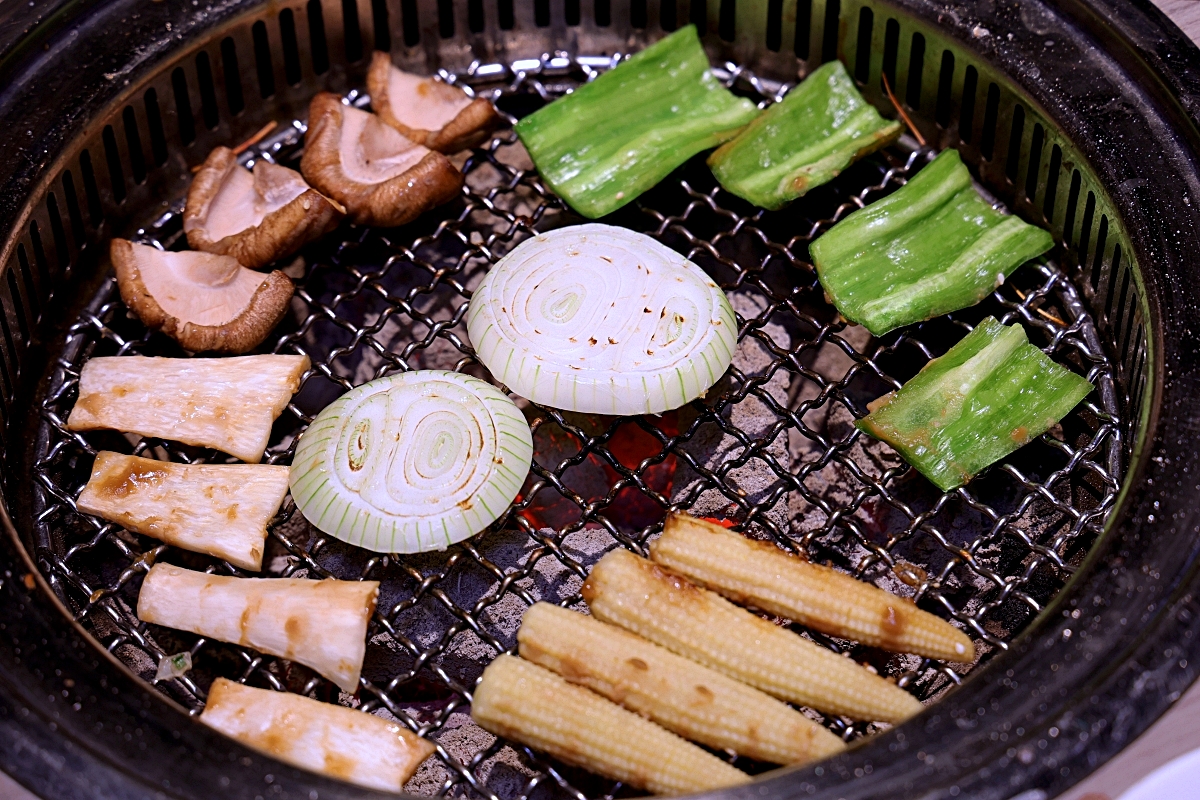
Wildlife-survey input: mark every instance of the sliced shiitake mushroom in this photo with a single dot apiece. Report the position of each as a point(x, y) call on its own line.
point(435, 114)
point(256, 217)
point(204, 301)
point(381, 177)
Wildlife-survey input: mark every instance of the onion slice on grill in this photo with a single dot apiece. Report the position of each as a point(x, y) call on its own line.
point(219, 509)
point(412, 462)
point(600, 319)
point(363, 749)
point(321, 624)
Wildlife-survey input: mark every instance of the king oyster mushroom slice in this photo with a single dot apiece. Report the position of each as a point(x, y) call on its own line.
point(256, 217)
point(340, 742)
point(218, 509)
point(320, 624)
point(204, 301)
point(439, 116)
point(381, 177)
point(228, 404)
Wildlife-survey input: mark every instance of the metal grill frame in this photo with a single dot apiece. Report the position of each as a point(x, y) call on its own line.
point(953, 710)
point(456, 251)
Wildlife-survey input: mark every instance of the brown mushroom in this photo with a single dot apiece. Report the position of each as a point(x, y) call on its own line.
point(256, 217)
point(204, 301)
point(381, 177)
point(435, 114)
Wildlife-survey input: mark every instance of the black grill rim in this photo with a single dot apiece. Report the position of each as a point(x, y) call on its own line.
point(75, 723)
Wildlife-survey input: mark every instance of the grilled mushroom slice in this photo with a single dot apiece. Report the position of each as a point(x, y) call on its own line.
point(256, 217)
point(219, 509)
point(225, 403)
point(435, 114)
point(381, 177)
point(340, 742)
point(204, 301)
point(321, 624)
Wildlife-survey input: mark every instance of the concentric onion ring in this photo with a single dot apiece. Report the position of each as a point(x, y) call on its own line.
point(600, 319)
point(412, 462)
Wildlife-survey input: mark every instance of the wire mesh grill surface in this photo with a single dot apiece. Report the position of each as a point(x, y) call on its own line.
point(770, 448)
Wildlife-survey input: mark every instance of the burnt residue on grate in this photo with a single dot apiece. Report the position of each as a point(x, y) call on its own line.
point(770, 448)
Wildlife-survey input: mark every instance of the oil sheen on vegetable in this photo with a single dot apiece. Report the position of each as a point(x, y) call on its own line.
point(820, 128)
point(989, 395)
point(933, 247)
point(612, 139)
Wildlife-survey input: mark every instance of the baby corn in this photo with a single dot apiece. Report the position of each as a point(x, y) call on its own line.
point(759, 574)
point(526, 703)
point(665, 608)
point(681, 695)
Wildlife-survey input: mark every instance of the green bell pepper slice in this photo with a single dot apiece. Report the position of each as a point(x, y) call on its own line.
point(610, 140)
point(932, 247)
point(821, 127)
point(986, 397)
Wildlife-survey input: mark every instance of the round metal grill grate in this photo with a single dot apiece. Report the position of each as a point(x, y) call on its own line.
point(771, 448)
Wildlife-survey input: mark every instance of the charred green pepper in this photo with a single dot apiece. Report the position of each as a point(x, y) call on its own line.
point(989, 395)
point(930, 248)
point(612, 139)
point(821, 127)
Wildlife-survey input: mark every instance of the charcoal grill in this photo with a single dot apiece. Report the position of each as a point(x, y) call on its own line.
point(1072, 563)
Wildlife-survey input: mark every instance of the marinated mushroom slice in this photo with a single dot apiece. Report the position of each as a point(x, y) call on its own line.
point(435, 114)
point(204, 301)
point(218, 509)
point(381, 177)
point(256, 217)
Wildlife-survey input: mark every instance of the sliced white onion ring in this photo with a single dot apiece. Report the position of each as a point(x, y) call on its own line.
point(600, 319)
point(412, 462)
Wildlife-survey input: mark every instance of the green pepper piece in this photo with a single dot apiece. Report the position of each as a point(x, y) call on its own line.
point(821, 127)
point(932, 247)
point(989, 395)
point(610, 140)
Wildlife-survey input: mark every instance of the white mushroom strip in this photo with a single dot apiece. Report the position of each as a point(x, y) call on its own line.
point(381, 177)
point(218, 509)
point(256, 217)
point(432, 113)
point(362, 749)
point(206, 302)
point(225, 403)
point(321, 624)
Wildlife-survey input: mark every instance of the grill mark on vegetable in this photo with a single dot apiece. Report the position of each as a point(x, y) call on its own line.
point(338, 765)
point(892, 623)
point(129, 479)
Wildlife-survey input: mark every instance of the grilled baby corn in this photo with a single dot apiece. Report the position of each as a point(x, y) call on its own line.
point(525, 703)
point(219, 509)
point(321, 624)
point(667, 609)
point(360, 748)
point(759, 574)
point(681, 695)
